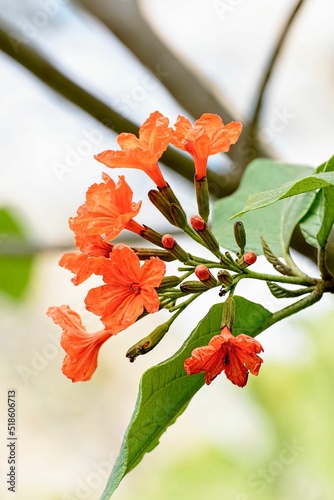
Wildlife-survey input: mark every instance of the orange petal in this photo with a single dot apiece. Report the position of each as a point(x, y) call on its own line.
point(81, 347)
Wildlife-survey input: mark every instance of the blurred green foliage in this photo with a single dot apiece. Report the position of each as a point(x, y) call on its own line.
point(15, 268)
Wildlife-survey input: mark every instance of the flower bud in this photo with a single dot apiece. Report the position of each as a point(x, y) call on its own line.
point(152, 236)
point(203, 197)
point(168, 241)
point(168, 282)
point(205, 233)
point(161, 203)
point(197, 223)
point(147, 253)
point(193, 287)
point(247, 260)
point(240, 235)
point(224, 277)
point(148, 343)
point(228, 313)
point(170, 196)
point(205, 276)
point(178, 215)
point(174, 248)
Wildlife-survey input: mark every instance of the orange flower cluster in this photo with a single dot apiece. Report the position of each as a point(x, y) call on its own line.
point(129, 289)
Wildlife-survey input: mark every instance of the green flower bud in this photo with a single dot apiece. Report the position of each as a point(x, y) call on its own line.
point(225, 277)
point(240, 235)
point(203, 197)
point(148, 343)
point(228, 313)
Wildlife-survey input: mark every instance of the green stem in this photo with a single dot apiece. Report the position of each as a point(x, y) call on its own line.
point(186, 303)
point(295, 269)
point(322, 265)
point(308, 301)
point(293, 280)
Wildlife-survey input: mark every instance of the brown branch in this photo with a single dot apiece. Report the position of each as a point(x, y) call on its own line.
point(28, 56)
point(191, 90)
point(254, 121)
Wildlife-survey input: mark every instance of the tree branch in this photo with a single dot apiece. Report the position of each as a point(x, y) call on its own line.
point(220, 184)
point(254, 121)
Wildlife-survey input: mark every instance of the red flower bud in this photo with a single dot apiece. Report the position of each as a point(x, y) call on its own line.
point(197, 223)
point(249, 258)
point(168, 241)
point(202, 272)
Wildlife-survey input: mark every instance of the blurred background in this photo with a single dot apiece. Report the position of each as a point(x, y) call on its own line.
point(73, 76)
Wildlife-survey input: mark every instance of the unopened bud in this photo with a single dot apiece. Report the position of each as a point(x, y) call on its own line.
point(168, 282)
point(205, 233)
point(148, 343)
point(228, 313)
point(161, 203)
point(174, 248)
point(205, 276)
point(147, 253)
point(152, 236)
point(225, 278)
point(178, 215)
point(193, 287)
point(170, 196)
point(247, 260)
point(197, 223)
point(168, 241)
point(203, 197)
point(240, 235)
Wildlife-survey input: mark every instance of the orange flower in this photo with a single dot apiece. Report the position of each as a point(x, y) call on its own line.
point(207, 137)
point(93, 246)
point(81, 347)
point(129, 288)
point(237, 356)
point(81, 263)
point(108, 210)
point(143, 152)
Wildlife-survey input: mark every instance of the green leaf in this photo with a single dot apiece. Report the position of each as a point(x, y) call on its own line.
point(294, 209)
point(15, 270)
point(293, 188)
point(166, 390)
point(328, 217)
point(260, 174)
point(310, 224)
point(318, 221)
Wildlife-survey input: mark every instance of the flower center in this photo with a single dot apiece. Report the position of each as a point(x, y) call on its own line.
point(135, 288)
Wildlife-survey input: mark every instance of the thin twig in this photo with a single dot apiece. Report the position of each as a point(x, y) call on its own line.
point(252, 130)
point(192, 90)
